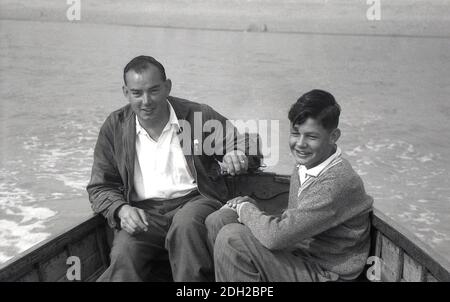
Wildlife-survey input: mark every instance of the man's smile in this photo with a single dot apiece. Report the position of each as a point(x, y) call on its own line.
point(147, 109)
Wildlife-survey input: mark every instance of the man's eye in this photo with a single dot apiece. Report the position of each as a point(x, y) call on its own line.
point(136, 94)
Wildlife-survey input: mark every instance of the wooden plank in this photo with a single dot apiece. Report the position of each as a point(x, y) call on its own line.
point(392, 261)
point(430, 278)
point(377, 251)
point(26, 261)
point(32, 276)
point(63, 279)
point(55, 268)
point(93, 277)
point(90, 268)
point(91, 265)
point(412, 270)
point(102, 244)
point(416, 249)
point(90, 253)
point(85, 247)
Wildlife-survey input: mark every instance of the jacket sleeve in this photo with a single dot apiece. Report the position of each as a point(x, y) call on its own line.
point(228, 138)
point(105, 187)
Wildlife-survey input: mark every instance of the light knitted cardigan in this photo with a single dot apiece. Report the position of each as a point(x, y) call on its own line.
point(328, 223)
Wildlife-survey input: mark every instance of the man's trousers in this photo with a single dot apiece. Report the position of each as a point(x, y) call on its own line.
point(176, 242)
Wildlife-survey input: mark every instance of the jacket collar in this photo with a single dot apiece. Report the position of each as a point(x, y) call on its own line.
point(181, 110)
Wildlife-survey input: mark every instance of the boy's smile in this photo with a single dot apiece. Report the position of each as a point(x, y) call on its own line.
point(311, 144)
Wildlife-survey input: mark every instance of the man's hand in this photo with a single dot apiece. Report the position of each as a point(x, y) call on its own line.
point(235, 162)
point(133, 220)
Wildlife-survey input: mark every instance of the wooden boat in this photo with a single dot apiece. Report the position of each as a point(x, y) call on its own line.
point(403, 256)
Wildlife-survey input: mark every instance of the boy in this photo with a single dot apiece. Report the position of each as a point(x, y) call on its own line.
point(323, 235)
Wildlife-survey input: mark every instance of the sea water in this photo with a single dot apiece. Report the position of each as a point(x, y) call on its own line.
point(59, 82)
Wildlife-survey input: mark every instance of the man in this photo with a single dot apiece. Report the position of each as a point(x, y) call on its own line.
point(154, 183)
point(323, 235)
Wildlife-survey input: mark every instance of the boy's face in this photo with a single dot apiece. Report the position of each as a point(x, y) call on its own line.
point(311, 144)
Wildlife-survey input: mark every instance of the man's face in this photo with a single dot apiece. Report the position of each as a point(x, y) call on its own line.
point(147, 93)
point(310, 143)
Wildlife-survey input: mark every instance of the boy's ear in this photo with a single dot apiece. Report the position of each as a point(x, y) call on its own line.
point(335, 135)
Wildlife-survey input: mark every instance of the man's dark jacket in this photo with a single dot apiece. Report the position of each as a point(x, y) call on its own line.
point(112, 175)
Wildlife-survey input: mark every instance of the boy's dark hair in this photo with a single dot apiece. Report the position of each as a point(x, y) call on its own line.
point(140, 64)
point(319, 105)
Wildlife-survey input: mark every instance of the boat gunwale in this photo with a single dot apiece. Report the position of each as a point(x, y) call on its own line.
point(420, 251)
point(27, 260)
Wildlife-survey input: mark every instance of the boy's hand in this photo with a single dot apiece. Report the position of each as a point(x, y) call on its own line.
point(232, 203)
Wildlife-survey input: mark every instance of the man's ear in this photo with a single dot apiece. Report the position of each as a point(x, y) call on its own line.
point(168, 84)
point(335, 135)
point(125, 91)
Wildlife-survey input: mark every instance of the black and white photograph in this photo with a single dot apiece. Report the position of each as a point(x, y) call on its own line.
point(239, 144)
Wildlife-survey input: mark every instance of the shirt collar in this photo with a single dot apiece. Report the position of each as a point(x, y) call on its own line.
point(173, 120)
point(315, 171)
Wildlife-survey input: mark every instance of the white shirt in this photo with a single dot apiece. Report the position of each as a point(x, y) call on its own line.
point(160, 168)
point(308, 174)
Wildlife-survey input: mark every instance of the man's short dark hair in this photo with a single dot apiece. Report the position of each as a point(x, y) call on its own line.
point(141, 63)
point(319, 105)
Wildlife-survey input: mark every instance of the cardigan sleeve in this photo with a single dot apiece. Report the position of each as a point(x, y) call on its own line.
point(324, 206)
